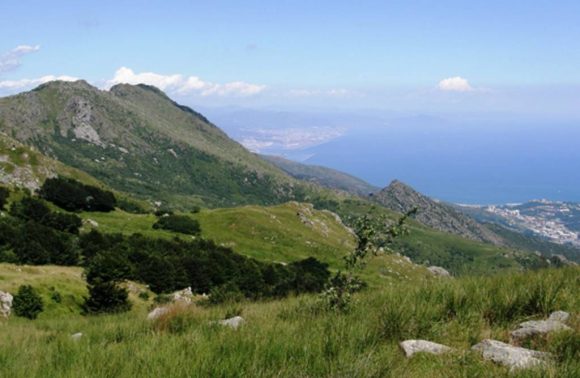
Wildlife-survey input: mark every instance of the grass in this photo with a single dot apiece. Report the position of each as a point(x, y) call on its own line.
point(288, 339)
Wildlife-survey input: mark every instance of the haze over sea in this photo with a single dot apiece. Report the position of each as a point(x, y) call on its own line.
point(470, 161)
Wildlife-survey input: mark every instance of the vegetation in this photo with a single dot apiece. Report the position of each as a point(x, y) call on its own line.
point(178, 223)
point(72, 195)
point(27, 303)
point(289, 338)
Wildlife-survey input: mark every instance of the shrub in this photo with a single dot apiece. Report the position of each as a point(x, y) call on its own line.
point(106, 297)
point(27, 303)
point(29, 208)
point(37, 244)
point(178, 223)
point(73, 195)
point(4, 194)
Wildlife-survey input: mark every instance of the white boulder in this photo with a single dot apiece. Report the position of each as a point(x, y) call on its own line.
point(438, 271)
point(423, 346)
point(508, 355)
point(5, 304)
point(77, 336)
point(157, 313)
point(537, 327)
point(559, 316)
point(234, 322)
point(184, 296)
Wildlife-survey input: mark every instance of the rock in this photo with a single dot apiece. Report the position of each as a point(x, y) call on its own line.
point(234, 322)
point(77, 336)
point(157, 313)
point(423, 346)
point(438, 271)
point(559, 316)
point(5, 304)
point(91, 223)
point(183, 296)
point(509, 355)
point(537, 327)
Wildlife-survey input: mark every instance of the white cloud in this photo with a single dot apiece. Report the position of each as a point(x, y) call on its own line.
point(181, 85)
point(455, 84)
point(11, 59)
point(15, 85)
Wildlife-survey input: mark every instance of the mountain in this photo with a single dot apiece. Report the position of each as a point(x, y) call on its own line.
point(323, 176)
point(136, 139)
point(440, 216)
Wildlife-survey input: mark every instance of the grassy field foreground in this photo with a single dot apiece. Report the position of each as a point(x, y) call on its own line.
point(294, 338)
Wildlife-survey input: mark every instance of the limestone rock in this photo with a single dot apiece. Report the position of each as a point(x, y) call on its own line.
point(5, 304)
point(77, 336)
point(537, 327)
point(509, 355)
point(157, 313)
point(559, 316)
point(423, 346)
point(234, 322)
point(183, 296)
point(438, 271)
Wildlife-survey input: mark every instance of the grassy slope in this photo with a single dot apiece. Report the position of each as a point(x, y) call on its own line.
point(286, 339)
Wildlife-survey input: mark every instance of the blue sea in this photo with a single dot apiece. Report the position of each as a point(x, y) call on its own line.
point(463, 162)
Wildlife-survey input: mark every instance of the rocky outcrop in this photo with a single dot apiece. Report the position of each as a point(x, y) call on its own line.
point(508, 355)
point(5, 304)
point(438, 271)
point(423, 346)
point(183, 296)
point(402, 198)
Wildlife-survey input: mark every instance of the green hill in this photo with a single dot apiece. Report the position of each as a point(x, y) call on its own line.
point(323, 176)
point(137, 140)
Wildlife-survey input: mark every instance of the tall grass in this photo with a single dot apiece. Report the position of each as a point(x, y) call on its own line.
point(294, 338)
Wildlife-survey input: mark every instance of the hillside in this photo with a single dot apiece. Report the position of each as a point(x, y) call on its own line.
point(323, 176)
point(137, 140)
point(401, 198)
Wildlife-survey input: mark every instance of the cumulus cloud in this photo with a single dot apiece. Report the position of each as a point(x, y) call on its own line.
point(182, 85)
point(455, 84)
point(12, 59)
point(15, 85)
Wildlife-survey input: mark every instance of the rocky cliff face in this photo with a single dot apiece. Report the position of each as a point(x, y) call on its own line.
point(402, 198)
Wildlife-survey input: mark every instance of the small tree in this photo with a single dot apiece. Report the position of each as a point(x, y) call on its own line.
point(27, 303)
point(373, 238)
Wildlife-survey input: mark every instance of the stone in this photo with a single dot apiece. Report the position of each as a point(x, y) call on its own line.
point(77, 336)
point(183, 296)
point(423, 346)
point(438, 271)
point(234, 322)
point(537, 327)
point(559, 316)
point(157, 313)
point(5, 304)
point(508, 355)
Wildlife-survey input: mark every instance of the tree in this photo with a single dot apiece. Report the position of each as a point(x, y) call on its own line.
point(374, 236)
point(27, 303)
point(106, 297)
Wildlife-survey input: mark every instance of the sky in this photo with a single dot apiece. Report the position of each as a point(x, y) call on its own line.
point(496, 57)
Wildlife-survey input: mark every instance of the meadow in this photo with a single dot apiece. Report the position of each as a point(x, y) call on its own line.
point(295, 337)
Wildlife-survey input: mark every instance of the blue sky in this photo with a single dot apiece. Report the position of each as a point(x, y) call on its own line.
point(519, 57)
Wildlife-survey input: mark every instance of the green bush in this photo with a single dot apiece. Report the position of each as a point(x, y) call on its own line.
point(4, 194)
point(106, 297)
point(27, 303)
point(178, 223)
point(73, 195)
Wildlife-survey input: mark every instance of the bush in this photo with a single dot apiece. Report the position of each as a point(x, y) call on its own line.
point(4, 194)
point(106, 297)
point(27, 303)
point(73, 195)
point(37, 244)
point(36, 210)
point(178, 223)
